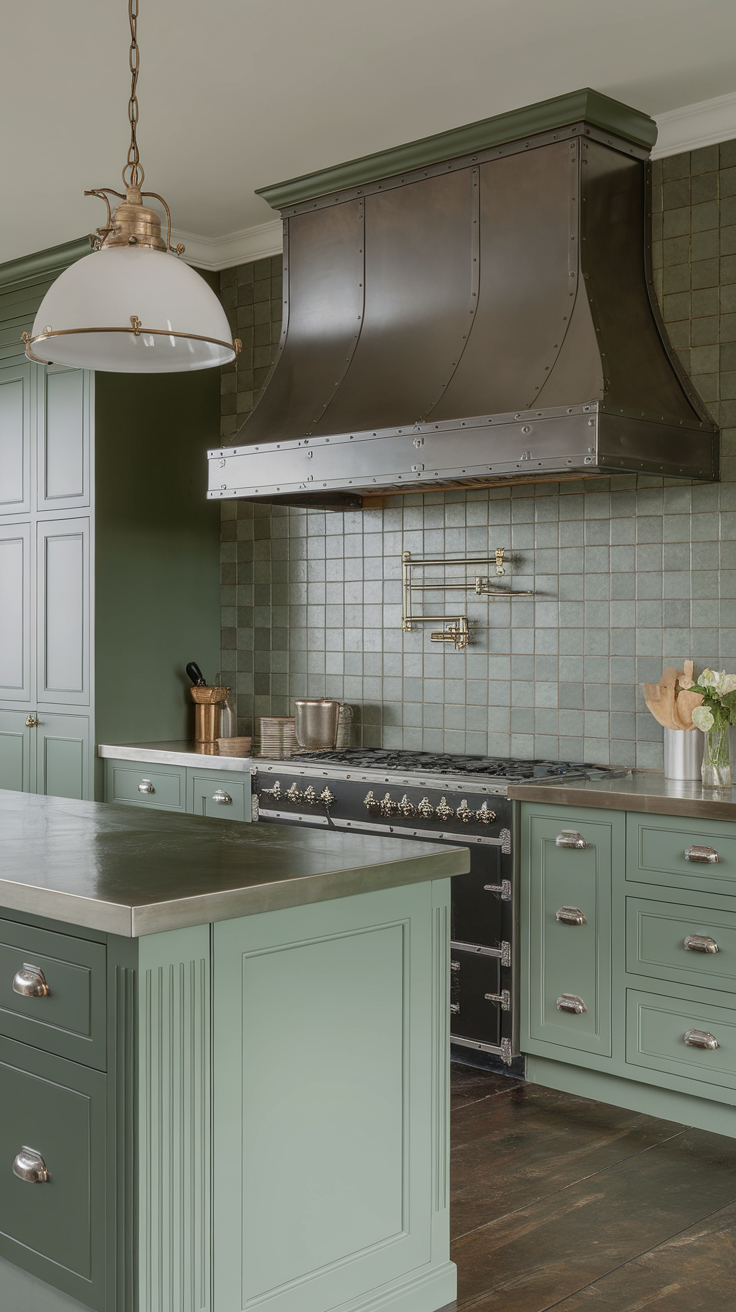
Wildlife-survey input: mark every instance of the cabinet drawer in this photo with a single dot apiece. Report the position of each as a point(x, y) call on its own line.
point(70, 1019)
point(157, 786)
point(655, 943)
point(656, 847)
point(656, 1026)
point(225, 796)
point(565, 957)
point(55, 1229)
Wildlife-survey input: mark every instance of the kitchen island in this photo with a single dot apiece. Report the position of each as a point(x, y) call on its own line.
point(223, 1064)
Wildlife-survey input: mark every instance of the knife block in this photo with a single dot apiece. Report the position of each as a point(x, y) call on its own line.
point(207, 702)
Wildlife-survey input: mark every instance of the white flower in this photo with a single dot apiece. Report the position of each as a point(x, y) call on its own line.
point(719, 681)
point(703, 717)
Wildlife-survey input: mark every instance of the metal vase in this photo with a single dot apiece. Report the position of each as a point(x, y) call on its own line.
point(683, 754)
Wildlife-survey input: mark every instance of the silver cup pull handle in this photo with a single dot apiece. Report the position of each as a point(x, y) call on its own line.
point(700, 943)
point(571, 916)
point(222, 796)
point(30, 1166)
point(30, 982)
point(700, 853)
point(145, 786)
point(700, 1039)
point(570, 838)
point(571, 1002)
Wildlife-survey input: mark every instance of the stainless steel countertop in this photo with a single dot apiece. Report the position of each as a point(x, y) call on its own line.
point(173, 753)
point(644, 790)
point(128, 871)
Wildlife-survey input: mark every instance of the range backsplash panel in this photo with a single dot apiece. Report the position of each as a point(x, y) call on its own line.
point(629, 572)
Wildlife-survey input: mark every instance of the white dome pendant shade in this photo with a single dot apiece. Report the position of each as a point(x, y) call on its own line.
point(128, 310)
point(132, 306)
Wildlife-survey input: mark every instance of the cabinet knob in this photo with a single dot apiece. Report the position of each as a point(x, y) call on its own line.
point(700, 943)
point(145, 786)
point(700, 1039)
point(30, 982)
point(570, 916)
point(699, 853)
point(31, 722)
point(570, 838)
point(571, 1002)
point(30, 1166)
point(222, 796)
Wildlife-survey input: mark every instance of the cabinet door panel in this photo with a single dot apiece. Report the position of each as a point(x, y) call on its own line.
point(64, 441)
point(225, 797)
point(15, 440)
point(15, 613)
point(54, 1229)
point(62, 755)
point(565, 958)
point(63, 611)
point(15, 751)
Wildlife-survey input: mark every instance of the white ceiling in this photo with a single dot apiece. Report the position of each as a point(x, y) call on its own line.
point(236, 94)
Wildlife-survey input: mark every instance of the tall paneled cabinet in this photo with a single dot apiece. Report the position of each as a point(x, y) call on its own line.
point(109, 551)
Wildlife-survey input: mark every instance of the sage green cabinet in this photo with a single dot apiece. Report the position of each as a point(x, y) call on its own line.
point(653, 960)
point(109, 550)
point(225, 795)
point(16, 746)
point(568, 913)
point(55, 1230)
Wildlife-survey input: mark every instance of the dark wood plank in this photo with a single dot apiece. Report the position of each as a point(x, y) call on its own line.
point(468, 1084)
point(535, 1257)
point(693, 1272)
point(534, 1141)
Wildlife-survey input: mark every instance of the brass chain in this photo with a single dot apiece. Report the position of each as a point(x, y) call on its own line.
point(133, 162)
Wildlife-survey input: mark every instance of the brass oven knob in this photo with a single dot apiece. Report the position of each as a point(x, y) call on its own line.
point(327, 798)
point(30, 1166)
point(274, 792)
point(371, 804)
point(464, 812)
point(406, 807)
point(30, 982)
point(293, 794)
point(426, 809)
point(310, 797)
point(389, 807)
point(484, 815)
point(444, 812)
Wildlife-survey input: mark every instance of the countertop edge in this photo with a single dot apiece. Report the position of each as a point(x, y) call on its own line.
point(161, 756)
point(648, 803)
point(230, 904)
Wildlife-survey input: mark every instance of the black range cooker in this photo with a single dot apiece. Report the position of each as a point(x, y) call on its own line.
point(443, 798)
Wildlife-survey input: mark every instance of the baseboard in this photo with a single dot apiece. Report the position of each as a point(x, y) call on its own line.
point(21, 1292)
point(429, 1290)
point(637, 1097)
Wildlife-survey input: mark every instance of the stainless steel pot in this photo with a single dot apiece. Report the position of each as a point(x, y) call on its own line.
point(316, 724)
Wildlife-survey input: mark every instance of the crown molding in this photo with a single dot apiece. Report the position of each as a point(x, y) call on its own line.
point(703, 124)
point(215, 253)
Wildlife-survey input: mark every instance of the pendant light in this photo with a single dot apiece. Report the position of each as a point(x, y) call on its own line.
point(132, 306)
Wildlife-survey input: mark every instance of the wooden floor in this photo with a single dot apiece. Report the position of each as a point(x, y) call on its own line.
point(559, 1202)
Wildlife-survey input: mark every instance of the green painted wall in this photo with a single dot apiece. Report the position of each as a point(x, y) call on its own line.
point(157, 563)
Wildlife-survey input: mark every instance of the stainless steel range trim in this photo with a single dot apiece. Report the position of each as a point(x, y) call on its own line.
point(366, 825)
point(502, 1050)
point(490, 785)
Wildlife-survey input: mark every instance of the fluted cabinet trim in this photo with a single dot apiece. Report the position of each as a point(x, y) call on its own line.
point(174, 1122)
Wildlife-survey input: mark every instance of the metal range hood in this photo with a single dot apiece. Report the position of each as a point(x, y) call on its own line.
point(469, 309)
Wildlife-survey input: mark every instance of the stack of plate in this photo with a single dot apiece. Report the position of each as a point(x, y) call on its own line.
point(278, 739)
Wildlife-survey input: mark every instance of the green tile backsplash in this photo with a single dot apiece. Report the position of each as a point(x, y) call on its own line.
point(628, 572)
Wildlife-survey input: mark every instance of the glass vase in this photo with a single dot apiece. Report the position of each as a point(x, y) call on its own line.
point(716, 767)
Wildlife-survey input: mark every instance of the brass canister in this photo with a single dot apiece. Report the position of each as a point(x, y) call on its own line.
point(207, 702)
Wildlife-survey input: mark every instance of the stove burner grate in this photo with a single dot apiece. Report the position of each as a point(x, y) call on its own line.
point(447, 763)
